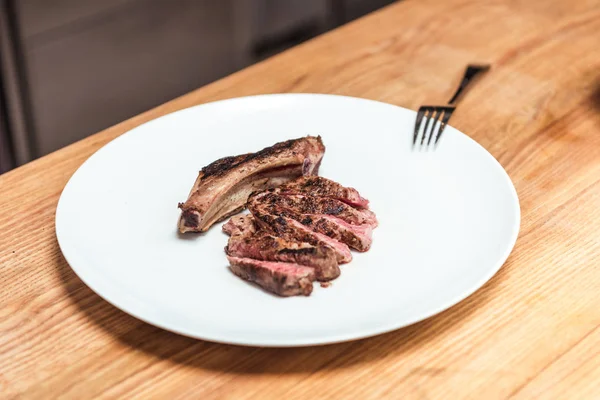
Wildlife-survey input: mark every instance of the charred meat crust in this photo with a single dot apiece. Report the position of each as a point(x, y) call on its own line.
point(295, 231)
point(263, 246)
point(226, 164)
point(304, 251)
point(312, 205)
point(331, 229)
point(222, 187)
point(322, 187)
point(222, 165)
point(356, 236)
point(310, 221)
point(347, 236)
point(279, 226)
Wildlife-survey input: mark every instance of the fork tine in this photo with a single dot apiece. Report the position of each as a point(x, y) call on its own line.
point(418, 121)
point(438, 113)
point(447, 114)
point(428, 115)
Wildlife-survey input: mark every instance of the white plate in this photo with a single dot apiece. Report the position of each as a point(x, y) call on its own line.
point(448, 221)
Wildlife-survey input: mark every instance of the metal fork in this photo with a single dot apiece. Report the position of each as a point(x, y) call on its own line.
point(441, 114)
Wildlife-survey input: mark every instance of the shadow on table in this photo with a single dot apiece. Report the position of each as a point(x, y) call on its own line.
point(164, 345)
point(595, 98)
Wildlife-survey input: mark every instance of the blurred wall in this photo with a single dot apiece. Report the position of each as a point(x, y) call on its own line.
point(85, 65)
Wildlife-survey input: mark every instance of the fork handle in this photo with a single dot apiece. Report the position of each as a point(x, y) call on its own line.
point(470, 74)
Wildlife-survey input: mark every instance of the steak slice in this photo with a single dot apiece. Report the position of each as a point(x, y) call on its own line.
point(284, 279)
point(223, 187)
point(322, 187)
point(306, 204)
point(289, 229)
point(240, 225)
point(264, 246)
point(358, 237)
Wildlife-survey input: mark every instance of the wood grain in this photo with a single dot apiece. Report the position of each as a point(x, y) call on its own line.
point(531, 332)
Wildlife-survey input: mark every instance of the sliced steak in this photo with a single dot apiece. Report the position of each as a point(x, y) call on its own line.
point(284, 279)
point(264, 246)
point(240, 225)
point(292, 230)
point(358, 237)
point(306, 204)
point(223, 187)
point(322, 187)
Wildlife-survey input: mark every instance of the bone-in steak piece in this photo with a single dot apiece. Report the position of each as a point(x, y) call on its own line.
point(222, 187)
point(289, 229)
point(306, 204)
point(358, 237)
point(284, 279)
point(322, 187)
point(264, 246)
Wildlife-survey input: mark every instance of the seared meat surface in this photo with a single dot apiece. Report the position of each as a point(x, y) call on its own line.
point(300, 227)
point(264, 246)
point(223, 187)
point(314, 205)
point(284, 279)
point(293, 230)
point(309, 222)
point(357, 237)
point(322, 187)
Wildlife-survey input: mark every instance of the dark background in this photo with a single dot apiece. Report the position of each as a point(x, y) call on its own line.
point(70, 68)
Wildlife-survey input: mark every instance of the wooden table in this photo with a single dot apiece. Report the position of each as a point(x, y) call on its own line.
point(531, 332)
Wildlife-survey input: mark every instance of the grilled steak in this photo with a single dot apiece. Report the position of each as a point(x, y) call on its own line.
point(222, 187)
point(322, 187)
point(264, 246)
point(292, 230)
point(284, 279)
point(356, 236)
point(300, 227)
point(305, 204)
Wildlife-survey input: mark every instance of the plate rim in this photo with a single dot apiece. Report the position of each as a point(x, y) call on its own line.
point(316, 340)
